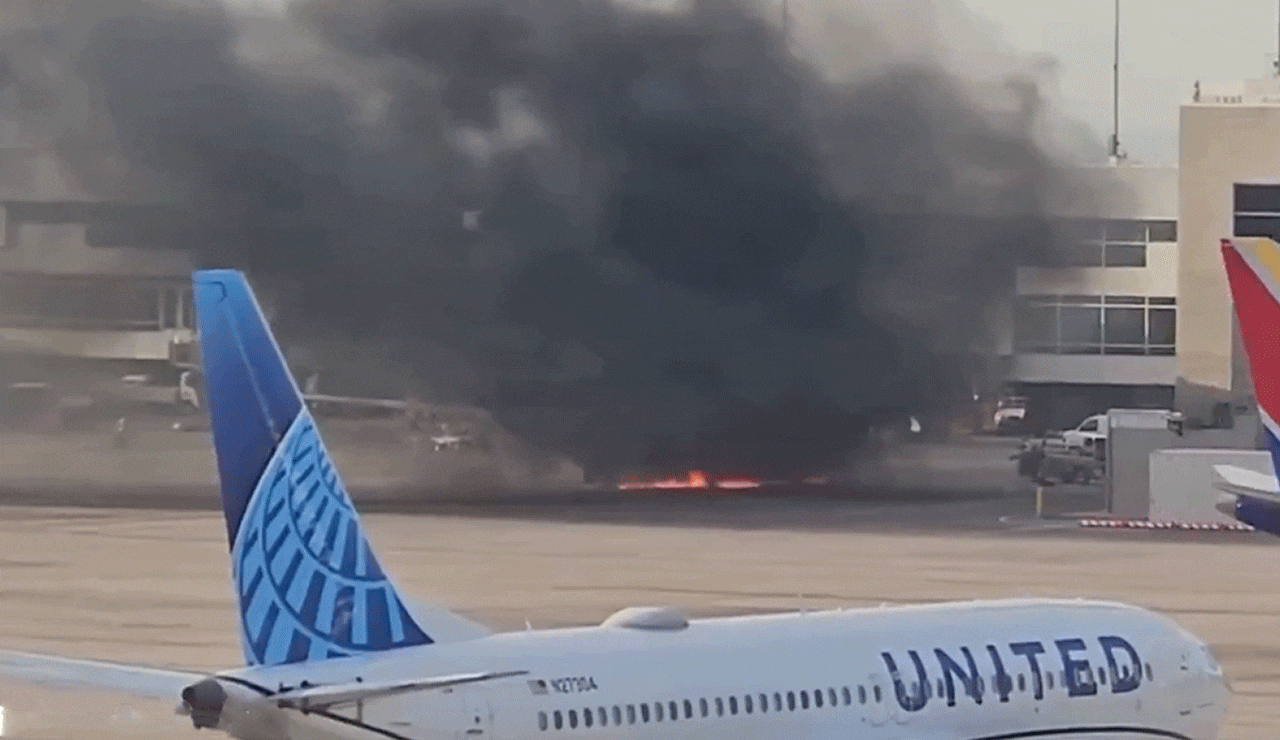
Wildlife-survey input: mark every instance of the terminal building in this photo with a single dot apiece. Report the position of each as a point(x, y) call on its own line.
point(1144, 319)
point(83, 296)
point(1140, 317)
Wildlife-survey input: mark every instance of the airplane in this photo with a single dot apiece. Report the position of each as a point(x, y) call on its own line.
point(334, 651)
point(450, 440)
point(1253, 273)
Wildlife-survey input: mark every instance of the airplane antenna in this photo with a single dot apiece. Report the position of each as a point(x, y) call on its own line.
point(528, 625)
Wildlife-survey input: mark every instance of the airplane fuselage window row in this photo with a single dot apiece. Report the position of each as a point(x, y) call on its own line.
point(778, 701)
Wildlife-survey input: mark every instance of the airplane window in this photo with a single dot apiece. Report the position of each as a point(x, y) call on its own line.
point(673, 710)
point(979, 685)
point(777, 702)
point(542, 721)
point(804, 699)
point(1102, 676)
point(733, 705)
point(644, 712)
point(631, 714)
point(617, 715)
point(719, 707)
point(587, 717)
point(1049, 675)
point(791, 701)
point(747, 704)
point(702, 706)
point(557, 719)
point(1149, 672)
point(657, 711)
point(875, 690)
point(1022, 682)
point(688, 709)
point(942, 689)
point(817, 697)
point(573, 718)
point(603, 716)
point(862, 694)
point(831, 697)
point(764, 702)
point(845, 696)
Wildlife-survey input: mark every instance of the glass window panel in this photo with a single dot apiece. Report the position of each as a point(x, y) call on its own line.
point(1125, 326)
point(1162, 231)
point(1257, 197)
point(1257, 226)
point(1079, 325)
point(1035, 326)
point(1126, 255)
point(1126, 231)
point(1161, 326)
point(1082, 229)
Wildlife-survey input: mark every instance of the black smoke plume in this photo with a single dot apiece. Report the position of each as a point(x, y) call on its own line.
point(636, 236)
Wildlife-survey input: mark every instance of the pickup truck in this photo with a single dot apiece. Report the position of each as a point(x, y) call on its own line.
point(1084, 438)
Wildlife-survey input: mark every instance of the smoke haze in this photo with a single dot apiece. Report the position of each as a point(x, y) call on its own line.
point(633, 235)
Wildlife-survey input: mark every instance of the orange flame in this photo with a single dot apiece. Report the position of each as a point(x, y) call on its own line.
point(694, 479)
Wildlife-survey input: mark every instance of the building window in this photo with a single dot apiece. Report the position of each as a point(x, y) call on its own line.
point(1256, 197)
point(1256, 210)
point(1124, 255)
point(1080, 327)
point(1162, 231)
point(1124, 328)
point(1116, 242)
point(1095, 325)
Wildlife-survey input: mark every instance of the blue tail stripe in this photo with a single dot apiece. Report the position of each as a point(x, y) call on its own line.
point(343, 616)
point(299, 648)
point(1273, 444)
point(360, 617)
point(309, 585)
point(311, 597)
point(395, 616)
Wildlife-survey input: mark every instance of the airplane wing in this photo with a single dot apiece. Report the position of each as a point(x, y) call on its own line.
point(385, 403)
point(56, 672)
point(1236, 480)
point(326, 697)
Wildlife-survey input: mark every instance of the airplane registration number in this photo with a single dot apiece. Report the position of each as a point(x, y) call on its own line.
point(572, 685)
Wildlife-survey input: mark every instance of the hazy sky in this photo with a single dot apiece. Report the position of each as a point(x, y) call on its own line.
point(1165, 46)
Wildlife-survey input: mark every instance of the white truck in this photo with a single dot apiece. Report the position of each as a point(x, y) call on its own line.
point(1084, 438)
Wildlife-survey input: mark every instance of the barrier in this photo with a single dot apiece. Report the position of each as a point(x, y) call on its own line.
point(1146, 524)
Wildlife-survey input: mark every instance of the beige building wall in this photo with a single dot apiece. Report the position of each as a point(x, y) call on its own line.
point(1227, 136)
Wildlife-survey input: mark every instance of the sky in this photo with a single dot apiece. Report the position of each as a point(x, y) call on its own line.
point(1165, 46)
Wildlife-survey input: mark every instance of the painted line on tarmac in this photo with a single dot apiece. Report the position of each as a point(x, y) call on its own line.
point(1027, 524)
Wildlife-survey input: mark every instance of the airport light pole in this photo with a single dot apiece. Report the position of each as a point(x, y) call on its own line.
point(1114, 147)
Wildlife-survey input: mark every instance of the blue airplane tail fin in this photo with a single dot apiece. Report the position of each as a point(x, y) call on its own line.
point(308, 583)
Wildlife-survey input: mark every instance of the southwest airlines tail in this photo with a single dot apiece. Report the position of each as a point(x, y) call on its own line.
point(1253, 272)
point(308, 583)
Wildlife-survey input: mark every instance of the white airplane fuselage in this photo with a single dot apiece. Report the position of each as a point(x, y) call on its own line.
point(1040, 668)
